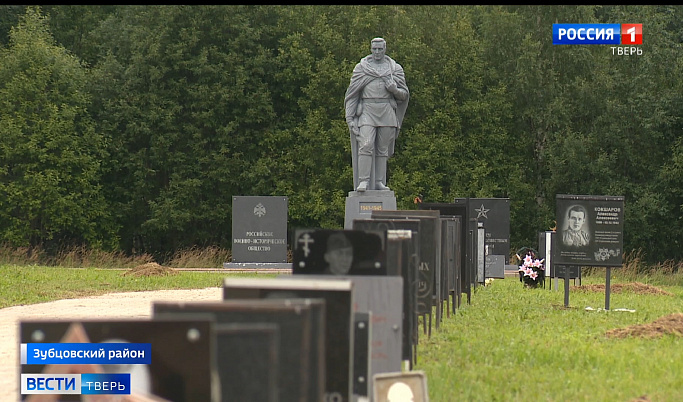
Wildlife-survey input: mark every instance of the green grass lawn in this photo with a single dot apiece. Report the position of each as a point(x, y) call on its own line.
point(509, 344)
point(36, 284)
point(517, 344)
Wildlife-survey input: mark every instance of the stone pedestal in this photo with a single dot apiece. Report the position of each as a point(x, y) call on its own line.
point(359, 205)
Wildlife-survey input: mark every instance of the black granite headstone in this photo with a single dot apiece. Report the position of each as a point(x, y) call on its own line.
point(338, 296)
point(494, 213)
point(467, 269)
point(429, 233)
point(339, 252)
point(449, 260)
point(429, 270)
point(318, 376)
point(183, 362)
point(249, 360)
point(296, 337)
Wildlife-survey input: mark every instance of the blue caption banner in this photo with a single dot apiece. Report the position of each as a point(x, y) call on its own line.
point(105, 384)
point(86, 353)
point(586, 34)
point(75, 384)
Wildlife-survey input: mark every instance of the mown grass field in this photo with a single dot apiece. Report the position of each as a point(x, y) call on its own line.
point(517, 344)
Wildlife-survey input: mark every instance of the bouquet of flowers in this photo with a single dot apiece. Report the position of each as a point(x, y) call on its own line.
point(532, 270)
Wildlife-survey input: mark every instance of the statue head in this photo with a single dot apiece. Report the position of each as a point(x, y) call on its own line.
point(378, 46)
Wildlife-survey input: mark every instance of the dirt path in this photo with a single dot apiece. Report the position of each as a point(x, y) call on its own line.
point(113, 305)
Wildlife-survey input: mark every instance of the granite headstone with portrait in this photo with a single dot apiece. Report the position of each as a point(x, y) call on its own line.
point(339, 252)
point(590, 230)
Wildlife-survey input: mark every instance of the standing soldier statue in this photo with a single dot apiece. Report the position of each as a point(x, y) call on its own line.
point(375, 102)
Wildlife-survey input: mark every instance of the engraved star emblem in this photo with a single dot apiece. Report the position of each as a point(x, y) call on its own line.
point(482, 212)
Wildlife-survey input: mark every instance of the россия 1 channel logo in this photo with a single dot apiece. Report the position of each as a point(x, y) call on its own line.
point(598, 34)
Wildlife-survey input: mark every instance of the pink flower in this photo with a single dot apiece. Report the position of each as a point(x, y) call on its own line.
point(533, 275)
point(528, 259)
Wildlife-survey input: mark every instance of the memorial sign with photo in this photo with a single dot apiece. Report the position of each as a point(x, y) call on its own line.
point(590, 230)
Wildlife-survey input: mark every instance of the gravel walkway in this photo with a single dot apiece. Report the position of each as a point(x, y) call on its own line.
point(113, 305)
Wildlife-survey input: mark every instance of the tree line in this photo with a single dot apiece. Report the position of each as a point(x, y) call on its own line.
point(130, 128)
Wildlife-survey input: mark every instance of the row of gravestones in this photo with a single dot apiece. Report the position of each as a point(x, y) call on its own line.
point(279, 339)
point(338, 329)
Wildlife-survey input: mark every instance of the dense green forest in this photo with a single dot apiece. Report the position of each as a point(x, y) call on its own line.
point(130, 128)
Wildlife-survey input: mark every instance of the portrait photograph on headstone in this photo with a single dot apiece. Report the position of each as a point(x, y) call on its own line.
point(339, 252)
point(589, 230)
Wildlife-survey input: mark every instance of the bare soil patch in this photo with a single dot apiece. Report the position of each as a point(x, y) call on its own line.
point(667, 325)
point(150, 269)
point(633, 287)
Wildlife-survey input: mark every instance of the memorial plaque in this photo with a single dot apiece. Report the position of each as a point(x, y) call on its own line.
point(494, 213)
point(450, 261)
point(259, 229)
point(249, 361)
point(296, 338)
point(429, 234)
point(407, 260)
point(495, 266)
point(338, 338)
point(339, 252)
point(361, 353)
point(383, 297)
point(318, 376)
point(590, 230)
point(183, 361)
point(467, 269)
point(402, 259)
